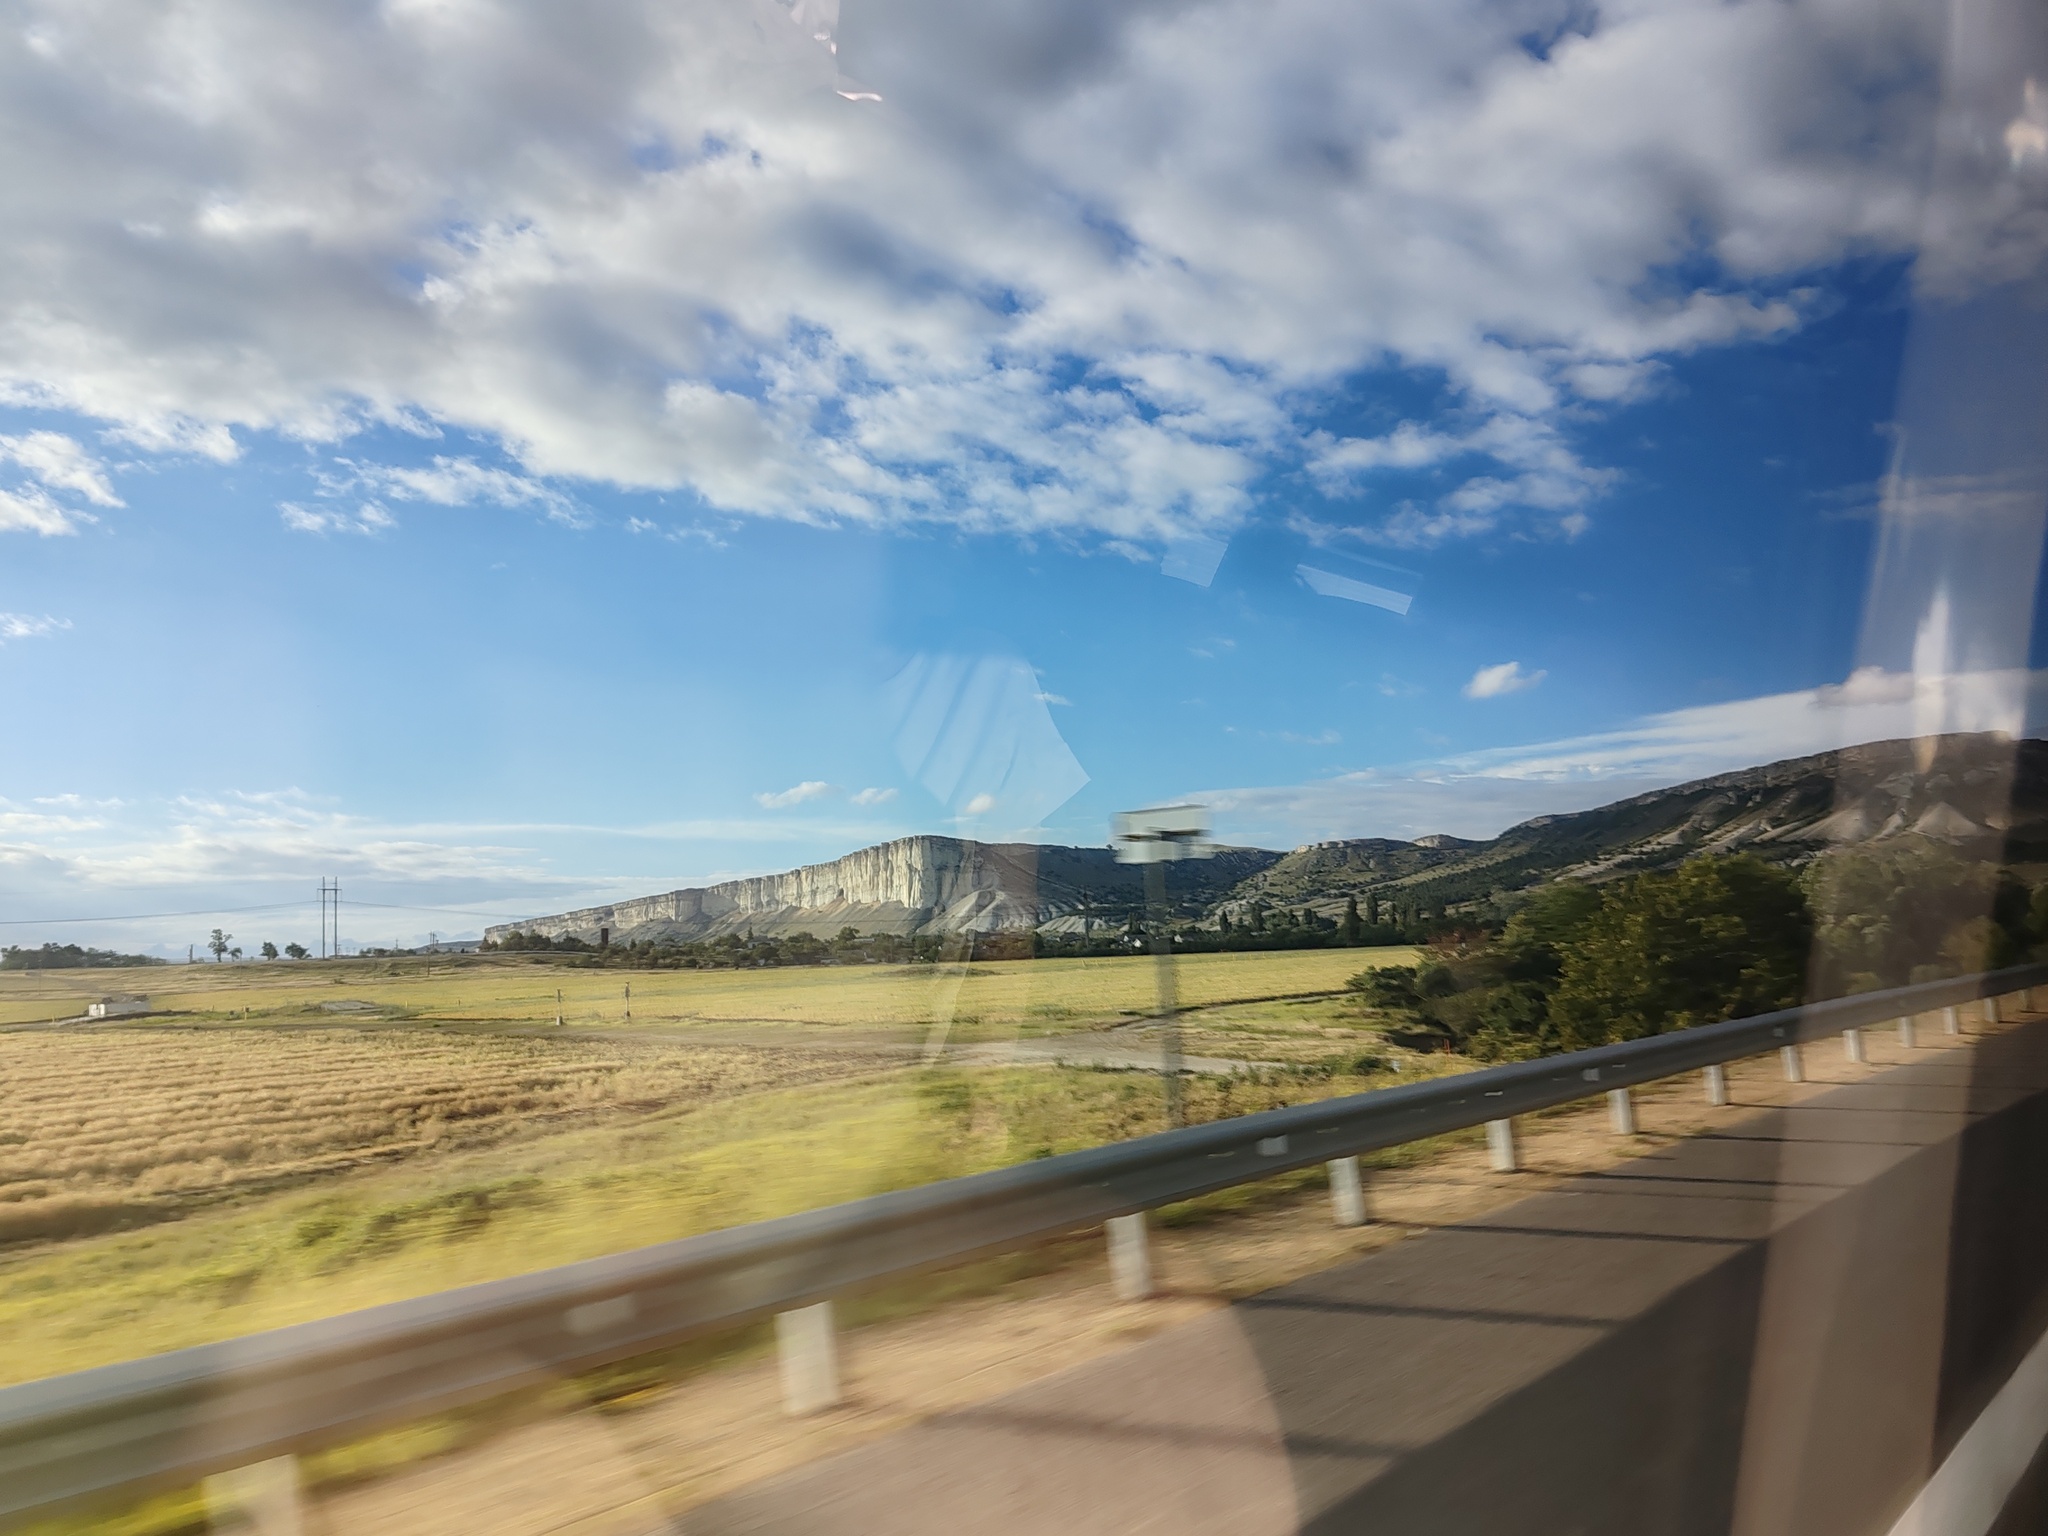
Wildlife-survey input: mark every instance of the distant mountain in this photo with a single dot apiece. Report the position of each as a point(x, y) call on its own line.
point(1981, 792)
point(912, 885)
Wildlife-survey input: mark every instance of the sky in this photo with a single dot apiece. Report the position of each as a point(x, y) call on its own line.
point(505, 459)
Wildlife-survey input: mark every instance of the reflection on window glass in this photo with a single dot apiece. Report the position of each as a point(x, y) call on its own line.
point(867, 765)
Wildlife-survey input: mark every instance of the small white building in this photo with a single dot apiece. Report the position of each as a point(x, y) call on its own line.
point(117, 1007)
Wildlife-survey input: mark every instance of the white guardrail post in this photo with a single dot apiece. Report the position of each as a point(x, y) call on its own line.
point(1621, 1111)
point(263, 1499)
point(1990, 1010)
point(1951, 1021)
point(1347, 1192)
point(1908, 1036)
point(807, 1349)
point(1130, 1256)
point(1794, 1062)
point(1852, 1046)
point(1500, 1145)
point(1717, 1084)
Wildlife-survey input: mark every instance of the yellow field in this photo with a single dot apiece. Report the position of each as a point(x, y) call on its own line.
point(116, 1126)
point(253, 1160)
point(1018, 995)
point(382, 1234)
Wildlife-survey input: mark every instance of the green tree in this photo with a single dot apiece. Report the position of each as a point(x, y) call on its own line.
point(1535, 937)
point(269, 950)
point(1716, 938)
point(61, 957)
point(218, 943)
point(1350, 927)
point(297, 951)
point(1387, 986)
point(1909, 909)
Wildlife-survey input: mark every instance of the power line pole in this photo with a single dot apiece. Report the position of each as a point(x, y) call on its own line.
point(1155, 837)
point(330, 888)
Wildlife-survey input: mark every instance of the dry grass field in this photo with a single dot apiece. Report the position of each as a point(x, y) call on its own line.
point(1019, 996)
point(120, 1126)
point(428, 1223)
point(253, 1159)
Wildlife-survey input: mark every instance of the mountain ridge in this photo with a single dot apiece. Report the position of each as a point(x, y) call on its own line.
point(1982, 791)
point(923, 883)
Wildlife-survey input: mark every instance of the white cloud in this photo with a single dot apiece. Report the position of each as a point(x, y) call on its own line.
point(810, 789)
point(873, 796)
point(369, 518)
point(683, 534)
point(30, 510)
point(1479, 794)
point(240, 837)
point(670, 256)
point(25, 626)
point(60, 463)
point(980, 805)
point(459, 482)
point(1508, 677)
point(1546, 474)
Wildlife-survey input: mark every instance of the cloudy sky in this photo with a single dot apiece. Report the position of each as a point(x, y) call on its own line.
point(509, 455)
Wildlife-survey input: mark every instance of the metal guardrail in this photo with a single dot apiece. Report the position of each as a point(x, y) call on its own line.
point(168, 1420)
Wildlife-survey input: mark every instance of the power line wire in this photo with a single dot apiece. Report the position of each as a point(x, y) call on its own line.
point(397, 906)
point(280, 906)
point(138, 917)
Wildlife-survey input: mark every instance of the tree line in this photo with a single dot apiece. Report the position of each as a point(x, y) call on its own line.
point(1262, 926)
point(1720, 937)
point(222, 946)
point(68, 957)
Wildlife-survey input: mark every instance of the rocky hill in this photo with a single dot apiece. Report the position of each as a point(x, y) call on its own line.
point(1981, 792)
point(1984, 793)
point(912, 885)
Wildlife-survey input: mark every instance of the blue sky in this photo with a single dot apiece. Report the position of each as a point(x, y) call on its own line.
point(578, 519)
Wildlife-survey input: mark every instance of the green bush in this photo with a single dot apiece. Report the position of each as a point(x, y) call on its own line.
point(1716, 938)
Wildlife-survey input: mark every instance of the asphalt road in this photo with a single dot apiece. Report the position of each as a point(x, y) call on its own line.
point(1778, 1329)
